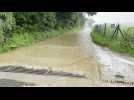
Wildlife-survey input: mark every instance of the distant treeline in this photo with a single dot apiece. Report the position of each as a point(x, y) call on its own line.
point(37, 21)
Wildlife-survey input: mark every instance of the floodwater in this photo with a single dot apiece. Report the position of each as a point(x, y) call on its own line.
point(71, 52)
point(113, 63)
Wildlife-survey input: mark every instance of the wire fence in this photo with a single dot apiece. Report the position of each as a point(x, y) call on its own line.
point(116, 32)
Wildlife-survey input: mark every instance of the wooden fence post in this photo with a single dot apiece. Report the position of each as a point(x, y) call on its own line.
point(99, 29)
point(104, 29)
point(116, 30)
point(121, 33)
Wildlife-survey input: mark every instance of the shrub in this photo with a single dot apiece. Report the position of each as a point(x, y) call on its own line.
point(7, 25)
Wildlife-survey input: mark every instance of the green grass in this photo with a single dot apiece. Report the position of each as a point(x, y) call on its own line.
point(22, 39)
point(114, 45)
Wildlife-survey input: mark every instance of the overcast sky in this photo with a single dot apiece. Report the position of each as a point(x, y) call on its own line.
point(114, 17)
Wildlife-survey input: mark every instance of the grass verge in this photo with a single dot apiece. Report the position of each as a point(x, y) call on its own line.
point(22, 39)
point(114, 45)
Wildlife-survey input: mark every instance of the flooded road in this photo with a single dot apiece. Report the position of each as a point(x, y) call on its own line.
point(115, 66)
point(71, 52)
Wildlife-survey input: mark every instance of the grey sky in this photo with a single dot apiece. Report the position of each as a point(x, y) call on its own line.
point(114, 17)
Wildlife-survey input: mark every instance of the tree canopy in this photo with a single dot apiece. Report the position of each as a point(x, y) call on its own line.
point(38, 21)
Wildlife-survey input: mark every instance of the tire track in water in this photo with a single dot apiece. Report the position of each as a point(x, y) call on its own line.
point(21, 69)
point(14, 83)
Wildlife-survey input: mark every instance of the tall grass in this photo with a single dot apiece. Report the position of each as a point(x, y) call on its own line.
point(21, 38)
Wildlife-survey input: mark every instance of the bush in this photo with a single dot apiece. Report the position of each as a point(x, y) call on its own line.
point(34, 21)
point(23, 28)
point(7, 25)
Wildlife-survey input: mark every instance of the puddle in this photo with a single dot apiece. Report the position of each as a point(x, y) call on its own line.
point(115, 66)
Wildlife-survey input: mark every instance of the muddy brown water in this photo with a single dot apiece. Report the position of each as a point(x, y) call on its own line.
point(70, 52)
point(13, 83)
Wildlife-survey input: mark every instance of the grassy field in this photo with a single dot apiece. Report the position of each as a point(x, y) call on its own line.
point(22, 39)
point(118, 44)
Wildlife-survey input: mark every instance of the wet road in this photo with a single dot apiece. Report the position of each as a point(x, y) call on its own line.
point(71, 52)
point(115, 66)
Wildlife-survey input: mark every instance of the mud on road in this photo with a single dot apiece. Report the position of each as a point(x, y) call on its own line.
point(73, 53)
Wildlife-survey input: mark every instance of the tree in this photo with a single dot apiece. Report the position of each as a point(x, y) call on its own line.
point(91, 13)
point(69, 19)
point(7, 24)
point(38, 21)
point(49, 20)
point(35, 20)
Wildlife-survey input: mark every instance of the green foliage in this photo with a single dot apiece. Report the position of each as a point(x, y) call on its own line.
point(7, 24)
point(121, 45)
point(44, 21)
point(91, 13)
point(26, 39)
point(35, 21)
point(69, 19)
point(23, 28)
